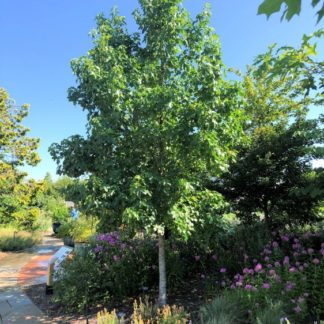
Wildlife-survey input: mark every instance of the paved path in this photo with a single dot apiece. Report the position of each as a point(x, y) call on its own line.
point(22, 269)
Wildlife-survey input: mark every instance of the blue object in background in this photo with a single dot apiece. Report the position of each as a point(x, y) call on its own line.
point(74, 213)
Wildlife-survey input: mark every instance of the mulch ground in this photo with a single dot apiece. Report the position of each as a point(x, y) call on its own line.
point(190, 297)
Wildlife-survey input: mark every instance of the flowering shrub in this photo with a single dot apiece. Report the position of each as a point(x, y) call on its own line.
point(109, 268)
point(290, 268)
point(130, 266)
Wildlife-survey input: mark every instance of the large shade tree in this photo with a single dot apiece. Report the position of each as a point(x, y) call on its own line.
point(161, 119)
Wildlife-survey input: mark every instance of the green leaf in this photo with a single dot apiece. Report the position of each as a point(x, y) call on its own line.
point(293, 8)
point(268, 7)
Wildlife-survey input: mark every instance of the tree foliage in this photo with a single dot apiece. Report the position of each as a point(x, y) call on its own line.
point(17, 198)
point(161, 117)
point(292, 8)
point(272, 176)
point(15, 147)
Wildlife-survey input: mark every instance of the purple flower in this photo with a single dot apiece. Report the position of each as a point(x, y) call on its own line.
point(316, 261)
point(222, 270)
point(274, 233)
point(286, 260)
point(305, 265)
point(292, 269)
point(310, 251)
point(255, 260)
point(248, 287)
point(238, 284)
point(197, 257)
point(251, 272)
point(296, 240)
point(258, 267)
point(289, 286)
point(307, 235)
point(98, 249)
point(272, 272)
point(266, 285)
point(275, 244)
point(246, 270)
point(214, 257)
point(297, 309)
point(115, 258)
point(285, 238)
point(266, 259)
point(277, 264)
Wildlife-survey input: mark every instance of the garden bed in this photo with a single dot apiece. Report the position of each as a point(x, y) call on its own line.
point(190, 297)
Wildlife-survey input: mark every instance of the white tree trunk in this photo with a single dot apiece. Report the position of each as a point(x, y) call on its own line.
point(162, 273)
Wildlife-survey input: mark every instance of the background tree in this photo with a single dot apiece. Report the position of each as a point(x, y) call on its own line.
point(273, 170)
point(161, 119)
point(273, 177)
point(16, 149)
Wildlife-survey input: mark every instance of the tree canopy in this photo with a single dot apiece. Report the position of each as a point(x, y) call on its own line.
point(161, 118)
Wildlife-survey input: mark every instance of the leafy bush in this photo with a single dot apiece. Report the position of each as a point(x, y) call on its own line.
point(27, 218)
point(65, 229)
point(110, 266)
point(13, 240)
point(56, 208)
point(78, 229)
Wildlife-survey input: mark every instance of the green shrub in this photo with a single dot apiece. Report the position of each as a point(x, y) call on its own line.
point(225, 309)
point(65, 230)
point(110, 266)
point(271, 314)
point(56, 209)
point(14, 240)
point(80, 283)
point(78, 229)
point(27, 218)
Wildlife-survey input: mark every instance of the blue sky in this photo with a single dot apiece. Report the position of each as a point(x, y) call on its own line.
point(40, 37)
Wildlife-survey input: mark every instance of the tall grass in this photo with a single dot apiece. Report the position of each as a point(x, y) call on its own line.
point(13, 240)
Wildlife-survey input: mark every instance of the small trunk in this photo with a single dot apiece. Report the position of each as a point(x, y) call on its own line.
point(162, 273)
